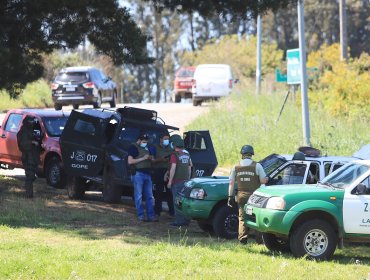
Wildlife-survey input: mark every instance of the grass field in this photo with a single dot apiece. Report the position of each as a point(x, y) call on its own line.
point(52, 237)
point(247, 119)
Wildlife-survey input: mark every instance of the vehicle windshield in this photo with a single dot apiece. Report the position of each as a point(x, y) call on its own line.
point(73, 77)
point(54, 125)
point(183, 73)
point(344, 176)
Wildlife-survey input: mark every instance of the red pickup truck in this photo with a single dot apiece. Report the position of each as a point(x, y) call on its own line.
point(48, 127)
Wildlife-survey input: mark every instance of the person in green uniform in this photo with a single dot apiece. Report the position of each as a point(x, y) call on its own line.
point(180, 171)
point(248, 176)
point(30, 149)
point(162, 153)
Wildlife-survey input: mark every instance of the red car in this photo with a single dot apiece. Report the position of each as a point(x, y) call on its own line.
point(183, 83)
point(48, 127)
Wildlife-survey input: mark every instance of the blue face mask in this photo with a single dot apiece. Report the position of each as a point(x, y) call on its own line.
point(166, 142)
point(143, 145)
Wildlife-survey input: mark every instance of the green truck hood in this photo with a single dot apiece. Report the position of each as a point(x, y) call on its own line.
point(216, 187)
point(295, 194)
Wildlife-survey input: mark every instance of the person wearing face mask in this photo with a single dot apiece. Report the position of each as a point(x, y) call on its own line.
point(139, 156)
point(162, 152)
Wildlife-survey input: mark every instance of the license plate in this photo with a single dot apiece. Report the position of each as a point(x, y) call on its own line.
point(70, 89)
point(249, 211)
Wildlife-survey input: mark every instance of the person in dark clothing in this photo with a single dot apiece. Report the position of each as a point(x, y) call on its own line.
point(30, 149)
point(140, 157)
point(160, 164)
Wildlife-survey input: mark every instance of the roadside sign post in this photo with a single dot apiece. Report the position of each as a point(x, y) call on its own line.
point(304, 94)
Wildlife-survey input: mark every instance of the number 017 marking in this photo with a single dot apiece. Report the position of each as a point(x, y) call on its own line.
point(91, 158)
point(199, 172)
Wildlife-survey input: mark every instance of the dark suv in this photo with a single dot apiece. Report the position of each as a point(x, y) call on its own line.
point(83, 85)
point(95, 144)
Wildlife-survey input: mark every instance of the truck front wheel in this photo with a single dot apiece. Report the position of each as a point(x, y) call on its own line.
point(205, 226)
point(273, 243)
point(315, 238)
point(225, 222)
point(54, 173)
point(76, 187)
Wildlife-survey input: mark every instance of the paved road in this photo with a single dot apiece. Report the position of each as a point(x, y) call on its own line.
point(175, 114)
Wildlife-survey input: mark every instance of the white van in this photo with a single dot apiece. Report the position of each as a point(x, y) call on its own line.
point(211, 81)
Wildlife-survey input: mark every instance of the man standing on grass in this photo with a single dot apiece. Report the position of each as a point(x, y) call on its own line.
point(30, 149)
point(162, 153)
point(139, 156)
point(248, 175)
point(180, 171)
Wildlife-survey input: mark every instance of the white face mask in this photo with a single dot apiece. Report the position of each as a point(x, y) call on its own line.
point(166, 142)
point(143, 145)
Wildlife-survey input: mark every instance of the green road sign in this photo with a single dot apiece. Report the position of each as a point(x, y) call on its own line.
point(293, 67)
point(280, 77)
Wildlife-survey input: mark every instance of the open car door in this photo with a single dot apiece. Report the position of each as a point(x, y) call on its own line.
point(200, 147)
point(272, 162)
point(82, 143)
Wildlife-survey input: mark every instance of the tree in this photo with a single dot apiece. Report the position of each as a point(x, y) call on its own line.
point(29, 28)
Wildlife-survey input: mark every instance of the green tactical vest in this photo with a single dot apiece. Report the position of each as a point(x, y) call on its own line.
point(247, 178)
point(182, 166)
point(162, 152)
point(145, 163)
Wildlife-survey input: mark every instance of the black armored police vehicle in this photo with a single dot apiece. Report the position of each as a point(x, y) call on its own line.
point(95, 144)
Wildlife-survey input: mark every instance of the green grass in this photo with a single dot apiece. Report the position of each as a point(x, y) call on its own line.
point(52, 237)
point(246, 119)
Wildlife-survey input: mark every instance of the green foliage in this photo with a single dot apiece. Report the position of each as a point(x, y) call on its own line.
point(35, 95)
point(343, 89)
point(240, 53)
point(31, 28)
point(247, 119)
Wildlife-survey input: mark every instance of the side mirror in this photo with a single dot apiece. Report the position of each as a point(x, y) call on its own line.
point(236, 81)
point(361, 189)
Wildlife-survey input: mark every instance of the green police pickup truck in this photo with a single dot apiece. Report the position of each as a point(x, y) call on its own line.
point(313, 219)
point(205, 199)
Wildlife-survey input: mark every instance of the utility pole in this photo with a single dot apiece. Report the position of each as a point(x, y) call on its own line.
point(343, 31)
point(304, 82)
point(258, 66)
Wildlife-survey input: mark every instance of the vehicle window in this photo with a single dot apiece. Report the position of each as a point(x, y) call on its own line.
point(291, 174)
point(314, 173)
point(343, 177)
point(213, 73)
point(272, 162)
point(131, 134)
point(72, 77)
point(54, 125)
point(336, 166)
point(13, 122)
point(327, 166)
point(195, 141)
point(183, 73)
point(84, 127)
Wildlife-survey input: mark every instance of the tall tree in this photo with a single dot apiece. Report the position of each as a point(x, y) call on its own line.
point(29, 28)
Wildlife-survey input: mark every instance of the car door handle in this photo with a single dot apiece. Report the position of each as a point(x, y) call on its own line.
point(3, 136)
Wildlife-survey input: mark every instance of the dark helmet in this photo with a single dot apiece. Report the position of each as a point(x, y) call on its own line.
point(178, 142)
point(247, 149)
point(174, 137)
point(299, 156)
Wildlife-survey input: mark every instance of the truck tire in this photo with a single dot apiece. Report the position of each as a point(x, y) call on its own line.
point(195, 102)
point(314, 238)
point(112, 103)
point(112, 192)
point(275, 244)
point(225, 222)
point(54, 173)
point(76, 187)
point(177, 98)
point(205, 226)
point(98, 102)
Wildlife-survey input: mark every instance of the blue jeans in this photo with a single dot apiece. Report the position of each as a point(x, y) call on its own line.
point(179, 217)
point(143, 186)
